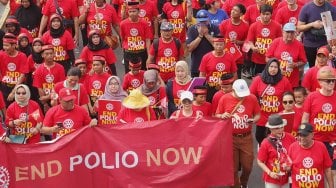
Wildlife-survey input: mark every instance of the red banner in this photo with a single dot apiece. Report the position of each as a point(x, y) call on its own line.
point(166, 153)
point(108, 111)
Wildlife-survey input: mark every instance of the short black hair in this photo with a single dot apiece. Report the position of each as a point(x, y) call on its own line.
point(266, 8)
point(241, 8)
point(74, 71)
point(227, 76)
point(301, 89)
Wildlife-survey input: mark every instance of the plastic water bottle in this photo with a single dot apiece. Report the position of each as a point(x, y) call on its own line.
point(289, 63)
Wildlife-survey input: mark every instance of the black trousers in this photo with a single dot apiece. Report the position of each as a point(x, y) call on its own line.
point(311, 55)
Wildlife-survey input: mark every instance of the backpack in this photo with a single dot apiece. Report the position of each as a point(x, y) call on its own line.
point(156, 46)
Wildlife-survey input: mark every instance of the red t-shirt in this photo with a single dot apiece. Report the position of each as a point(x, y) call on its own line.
point(309, 165)
point(72, 120)
point(297, 120)
point(14, 111)
point(133, 81)
point(262, 36)
point(45, 78)
point(214, 67)
point(132, 116)
point(322, 113)
point(61, 45)
point(2, 101)
point(95, 85)
point(269, 156)
point(101, 18)
point(32, 65)
point(215, 100)
point(81, 99)
point(310, 81)
point(11, 68)
point(270, 96)
point(87, 55)
point(167, 56)
point(229, 4)
point(148, 11)
point(134, 34)
point(176, 15)
point(204, 110)
point(246, 110)
point(280, 50)
point(252, 14)
point(68, 8)
point(177, 90)
point(157, 96)
point(284, 15)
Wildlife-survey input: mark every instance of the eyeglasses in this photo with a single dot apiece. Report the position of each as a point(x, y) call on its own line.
point(329, 81)
point(288, 102)
point(186, 102)
point(21, 93)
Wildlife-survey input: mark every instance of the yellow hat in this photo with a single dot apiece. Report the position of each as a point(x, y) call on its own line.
point(136, 100)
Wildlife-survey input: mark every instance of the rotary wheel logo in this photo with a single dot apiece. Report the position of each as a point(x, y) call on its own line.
point(175, 14)
point(151, 100)
point(142, 13)
point(109, 106)
point(138, 120)
point(135, 83)
point(49, 78)
point(220, 67)
point(99, 16)
point(241, 109)
point(265, 32)
point(293, 20)
point(96, 84)
point(232, 50)
point(23, 116)
point(307, 162)
point(232, 35)
point(270, 91)
point(134, 32)
point(327, 108)
point(4, 177)
point(167, 52)
point(284, 55)
point(106, 69)
point(179, 93)
point(11, 67)
point(68, 123)
point(56, 42)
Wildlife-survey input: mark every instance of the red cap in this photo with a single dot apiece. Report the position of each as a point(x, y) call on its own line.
point(65, 94)
point(22, 35)
point(98, 58)
point(80, 61)
point(323, 50)
point(135, 65)
point(47, 47)
point(55, 16)
point(37, 40)
point(153, 66)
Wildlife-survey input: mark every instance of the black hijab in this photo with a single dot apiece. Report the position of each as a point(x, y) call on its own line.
point(102, 44)
point(29, 17)
point(57, 33)
point(269, 79)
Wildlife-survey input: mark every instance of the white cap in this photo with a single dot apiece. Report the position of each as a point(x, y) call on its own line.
point(240, 87)
point(187, 95)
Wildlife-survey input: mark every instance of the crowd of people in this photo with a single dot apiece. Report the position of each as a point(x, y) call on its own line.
point(48, 91)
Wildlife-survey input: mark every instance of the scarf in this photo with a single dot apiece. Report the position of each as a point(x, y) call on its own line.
point(269, 79)
point(187, 78)
point(29, 17)
point(26, 101)
point(119, 95)
point(150, 76)
point(57, 33)
point(102, 44)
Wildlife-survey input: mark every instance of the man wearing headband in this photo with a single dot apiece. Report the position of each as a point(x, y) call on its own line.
point(13, 67)
point(227, 80)
point(199, 104)
point(134, 78)
point(216, 63)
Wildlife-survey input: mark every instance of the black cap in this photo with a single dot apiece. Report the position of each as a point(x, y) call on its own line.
point(305, 129)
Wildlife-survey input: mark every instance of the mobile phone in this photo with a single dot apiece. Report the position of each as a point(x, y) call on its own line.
point(59, 124)
point(250, 121)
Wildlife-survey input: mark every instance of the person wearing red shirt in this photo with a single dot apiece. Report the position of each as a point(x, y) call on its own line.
point(199, 104)
point(149, 12)
point(68, 10)
point(216, 63)
point(310, 81)
point(227, 80)
point(47, 75)
point(234, 31)
point(13, 26)
point(66, 117)
point(134, 78)
point(136, 109)
point(167, 53)
point(81, 64)
point(289, 13)
point(13, 67)
point(309, 155)
point(273, 156)
point(300, 94)
point(253, 12)
point(135, 36)
point(269, 87)
point(261, 35)
point(97, 46)
point(24, 116)
point(2, 108)
point(242, 108)
point(319, 110)
point(290, 52)
point(62, 41)
point(186, 99)
point(77, 89)
point(229, 4)
point(95, 83)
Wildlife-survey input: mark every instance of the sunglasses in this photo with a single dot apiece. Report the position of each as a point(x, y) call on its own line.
point(21, 93)
point(329, 81)
point(288, 102)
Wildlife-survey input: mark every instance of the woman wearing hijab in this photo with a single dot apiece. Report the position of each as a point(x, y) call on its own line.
point(156, 93)
point(24, 117)
point(12, 25)
point(62, 41)
point(97, 46)
point(181, 82)
point(269, 88)
point(113, 89)
point(29, 16)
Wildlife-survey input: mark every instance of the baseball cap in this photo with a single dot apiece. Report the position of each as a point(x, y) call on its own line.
point(323, 50)
point(240, 87)
point(47, 47)
point(326, 73)
point(186, 95)
point(202, 16)
point(289, 27)
point(65, 94)
point(305, 129)
point(166, 26)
